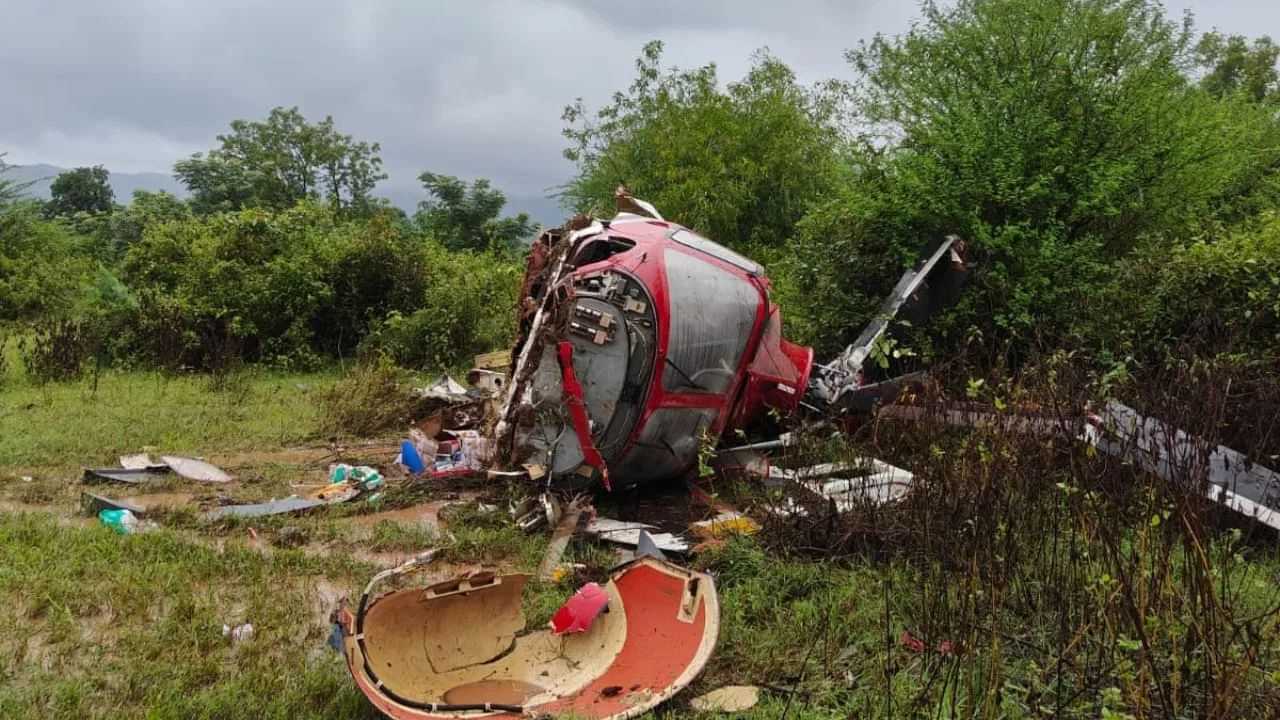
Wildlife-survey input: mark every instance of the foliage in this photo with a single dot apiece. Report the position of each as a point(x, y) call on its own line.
point(373, 397)
point(41, 265)
point(739, 164)
point(57, 349)
point(466, 310)
point(1233, 64)
point(277, 162)
point(10, 190)
point(145, 209)
point(467, 218)
point(373, 268)
point(247, 284)
point(84, 189)
point(1214, 296)
point(1053, 136)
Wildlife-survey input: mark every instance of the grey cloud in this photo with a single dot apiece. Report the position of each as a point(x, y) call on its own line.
point(472, 89)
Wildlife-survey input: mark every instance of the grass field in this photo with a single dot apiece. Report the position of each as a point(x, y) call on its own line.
point(100, 625)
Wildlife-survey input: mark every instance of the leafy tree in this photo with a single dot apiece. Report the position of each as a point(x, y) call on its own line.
point(147, 208)
point(1233, 65)
point(1054, 135)
point(463, 217)
point(41, 268)
point(10, 190)
point(280, 161)
point(739, 163)
point(84, 189)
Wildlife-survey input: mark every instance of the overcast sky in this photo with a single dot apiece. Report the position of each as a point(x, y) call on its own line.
point(470, 88)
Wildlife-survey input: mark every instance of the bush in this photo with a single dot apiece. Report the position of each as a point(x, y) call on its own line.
point(1212, 296)
point(467, 308)
point(58, 349)
point(374, 268)
point(739, 163)
point(262, 286)
point(41, 268)
point(373, 397)
point(1055, 137)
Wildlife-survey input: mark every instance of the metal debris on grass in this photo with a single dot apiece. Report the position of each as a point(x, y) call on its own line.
point(456, 648)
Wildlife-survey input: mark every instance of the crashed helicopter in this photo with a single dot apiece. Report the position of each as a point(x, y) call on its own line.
point(641, 342)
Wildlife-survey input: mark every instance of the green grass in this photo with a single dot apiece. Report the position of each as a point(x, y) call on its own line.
point(106, 626)
point(67, 425)
point(100, 625)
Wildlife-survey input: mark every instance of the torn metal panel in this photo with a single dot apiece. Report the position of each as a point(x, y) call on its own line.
point(196, 469)
point(92, 504)
point(628, 534)
point(849, 485)
point(329, 495)
point(444, 388)
point(1230, 478)
point(456, 648)
point(845, 374)
point(143, 476)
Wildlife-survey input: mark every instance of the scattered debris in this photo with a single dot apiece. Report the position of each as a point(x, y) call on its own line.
point(360, 476)
point(579, 611)
point(460, 452)
point(93, 476)
point(444, 388)
point(92, 504)
point(532, 512)
point(496, 360)
point(724, 525)
point(141, 461)
point(564, 532)
point(123, 522)
point(872, 481)
point(196, 469)
point(273, 507)
point(238, 634)
point(628, 534)
point(731, 698)
point(646, 546)
point(410, 458)
point(457, 647)
point(486, 381)
point(292, 504)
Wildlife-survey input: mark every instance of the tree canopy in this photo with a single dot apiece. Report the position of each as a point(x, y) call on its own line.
point(277, 162)
point(1233, 64)
point(739, 163)
point(84, 189)
point(463, 217)
point(1056, 136)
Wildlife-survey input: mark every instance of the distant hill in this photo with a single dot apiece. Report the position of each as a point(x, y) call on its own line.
point(123, 184)
point(542, 209)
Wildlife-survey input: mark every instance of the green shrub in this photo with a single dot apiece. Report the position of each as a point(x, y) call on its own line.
point(375, 396)
point(1216, 295)
point(58, 349)
point(467, 308)
point(278, 287)
point(373, 268)
point(41, 268)
point(1055, 137)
